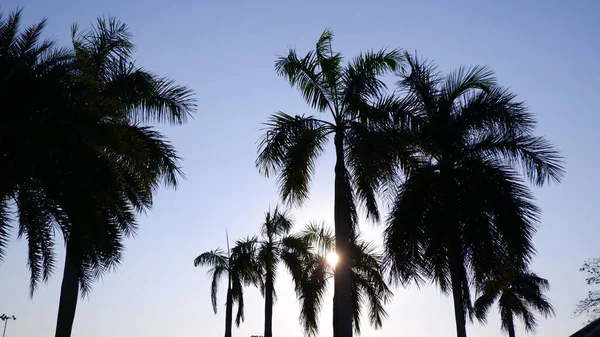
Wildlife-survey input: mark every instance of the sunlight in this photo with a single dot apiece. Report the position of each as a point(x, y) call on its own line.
point(332, 259)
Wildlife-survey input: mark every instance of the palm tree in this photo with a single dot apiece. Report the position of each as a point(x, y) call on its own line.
point(34, 74)
point(518, 295)
point(367, 284)
point(277, 245)
point(131, 160)
point(464, 207)
point(353, 95)
point(74, 156)
point(239, 266)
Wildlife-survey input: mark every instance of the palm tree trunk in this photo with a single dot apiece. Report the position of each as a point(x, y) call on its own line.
point(342, 277)
point(459, 313)
point(69, 292)
point(229, 310)
point(510, 326)
point(268, 305)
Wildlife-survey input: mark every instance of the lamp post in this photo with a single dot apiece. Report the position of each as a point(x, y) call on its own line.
point(5, 319)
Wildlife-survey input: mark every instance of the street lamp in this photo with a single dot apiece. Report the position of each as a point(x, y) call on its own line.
point(5, 319)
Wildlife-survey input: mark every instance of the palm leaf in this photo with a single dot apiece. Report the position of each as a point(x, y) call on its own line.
point(36, 225)
point(304, 73)
point(361, 81)
point(289, 148)
point(4, 228)
point(541, 162)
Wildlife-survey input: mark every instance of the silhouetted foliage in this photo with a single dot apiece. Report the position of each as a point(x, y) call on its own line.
point(368, 285)
point(74, 154)
point(276, 245)
point(239, 266)
point(591, 304)
point(519, 293)
point(462, 206)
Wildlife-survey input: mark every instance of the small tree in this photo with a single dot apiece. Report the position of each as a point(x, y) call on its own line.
point(591, 304)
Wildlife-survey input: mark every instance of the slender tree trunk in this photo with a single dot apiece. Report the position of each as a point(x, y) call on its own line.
point(510, 326)
point(459, 312)
point(268, 304)
point(69, 292)
point(229, 311)
point(455, 251)
point(342, 277)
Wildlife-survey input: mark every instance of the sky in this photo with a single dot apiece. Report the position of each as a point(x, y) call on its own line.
point(546, 51)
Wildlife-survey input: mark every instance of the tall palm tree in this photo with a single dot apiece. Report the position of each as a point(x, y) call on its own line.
point(368, 286)
point(34, 74)
point(464, 207)
point(518, 295)
point(239, 266)
point(353, 96)
point(131, 160)
point(74, 156)
point(276, 245)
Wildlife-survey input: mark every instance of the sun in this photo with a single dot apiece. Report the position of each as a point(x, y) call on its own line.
point(332, 258)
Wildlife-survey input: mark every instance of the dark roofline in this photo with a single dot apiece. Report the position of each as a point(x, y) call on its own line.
point(590, 330)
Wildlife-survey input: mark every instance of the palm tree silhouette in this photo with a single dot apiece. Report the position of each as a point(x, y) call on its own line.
point(518, 295)
point(135, 159)
point(353, 95)
point(368, 288)
point(276, 245)
point(463, 206)
point(240, 268)
point(74, 155)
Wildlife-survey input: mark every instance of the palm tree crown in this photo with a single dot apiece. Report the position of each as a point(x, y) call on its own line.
point(518, 295)
point(368, 285)
point(240, 268)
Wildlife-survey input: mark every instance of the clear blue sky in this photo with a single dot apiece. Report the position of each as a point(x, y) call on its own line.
point(546, 51)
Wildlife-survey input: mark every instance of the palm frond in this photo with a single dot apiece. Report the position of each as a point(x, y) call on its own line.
point(217, 272)
point(421, 82)
point(531, 289)
point(244, 262)
point(357, 298)
point(277, 223)
point(104, 56)
point(296, 250)
point(212, 258)
point(465, 79)
point(495, 109)
point(237, 292)
point(373, 154)
point(361, 80)
point(540, 160)
point(289, 148)
point(483, 303)
point(160, 99)
point(36, 225)
point(304, 73)
point(9, 29)
point(104, 43)
point(4, 227)
point(509, 202)
point(310, 292)
point(320, 236)
point(367, 272)
point(405, 236)
point(329, 63)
